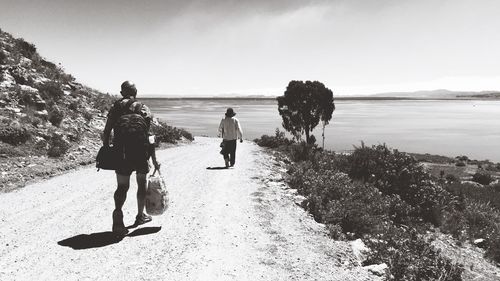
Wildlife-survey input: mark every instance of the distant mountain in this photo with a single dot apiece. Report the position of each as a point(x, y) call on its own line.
point(440, 94)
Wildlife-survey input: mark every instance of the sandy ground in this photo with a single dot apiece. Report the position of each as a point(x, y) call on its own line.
point(223, 224)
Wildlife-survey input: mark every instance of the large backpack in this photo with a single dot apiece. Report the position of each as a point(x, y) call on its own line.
point(131, 128)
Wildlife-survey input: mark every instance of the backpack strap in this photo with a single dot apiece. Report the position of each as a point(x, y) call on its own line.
point(126, 106)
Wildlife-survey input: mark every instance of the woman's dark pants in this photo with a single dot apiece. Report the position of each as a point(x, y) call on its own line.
point(230, 151)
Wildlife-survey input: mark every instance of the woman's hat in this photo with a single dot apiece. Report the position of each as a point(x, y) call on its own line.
point(230, 112)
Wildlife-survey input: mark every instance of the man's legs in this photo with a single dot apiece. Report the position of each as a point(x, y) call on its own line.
point(120, 196)
point(141, 196)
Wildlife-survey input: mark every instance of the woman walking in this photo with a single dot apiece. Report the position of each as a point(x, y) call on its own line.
point(230, 130)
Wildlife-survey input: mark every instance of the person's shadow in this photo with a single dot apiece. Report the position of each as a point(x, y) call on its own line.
point(217, 168)
point(102, 239)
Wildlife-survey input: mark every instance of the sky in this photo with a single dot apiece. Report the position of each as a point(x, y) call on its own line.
point(229, 47)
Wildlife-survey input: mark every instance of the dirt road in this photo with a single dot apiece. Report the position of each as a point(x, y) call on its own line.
point(223, 224)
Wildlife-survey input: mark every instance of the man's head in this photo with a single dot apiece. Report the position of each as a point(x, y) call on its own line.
point(128, 89)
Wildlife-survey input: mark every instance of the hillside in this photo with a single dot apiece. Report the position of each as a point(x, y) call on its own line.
point(49, 122)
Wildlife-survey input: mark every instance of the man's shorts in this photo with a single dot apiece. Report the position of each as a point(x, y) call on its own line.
point(135, 159)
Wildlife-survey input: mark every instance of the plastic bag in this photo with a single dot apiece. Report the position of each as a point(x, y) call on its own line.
point(157, 200)
point(223, 147)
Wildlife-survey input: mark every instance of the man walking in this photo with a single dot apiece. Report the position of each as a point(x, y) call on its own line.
point(130, 121)
point(230, 130)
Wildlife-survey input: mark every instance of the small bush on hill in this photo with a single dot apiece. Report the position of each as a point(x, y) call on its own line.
point(56, 116)
point(170, 134)
point(487, 194)
point(3, 58)
point(493, 251)
point(14, 134)
point(74, 105)
point(26, 49)
point(88, 116)
point(103, 102)
point(48, 64)
point(410, 257)
point(13, 151)
point(451, 178)
point(31, 118)
point(51, 91)
point(58, 146)
point(482, 178)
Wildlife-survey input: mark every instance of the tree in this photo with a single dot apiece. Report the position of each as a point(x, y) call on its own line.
point(303, 105)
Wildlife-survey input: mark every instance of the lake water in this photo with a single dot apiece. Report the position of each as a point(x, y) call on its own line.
point(451, 127)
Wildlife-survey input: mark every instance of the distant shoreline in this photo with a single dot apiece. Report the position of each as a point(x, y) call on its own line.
point(336, 98)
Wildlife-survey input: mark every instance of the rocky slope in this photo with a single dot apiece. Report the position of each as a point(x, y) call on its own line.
point(48, 121)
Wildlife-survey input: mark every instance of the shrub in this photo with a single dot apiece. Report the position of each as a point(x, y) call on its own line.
point(324, 160)
point(301, 151)
point(73, 106)
point(13, 151)
point(410, 257)
point(58, 146)
point(48, 64)
point(460, 164)
point(495, 187)
point(19, 76)
point(56, 116)
point(482, 220)
point(88, 116)
point(275, 141)
point(30, 118)
point(482, 178)
point(26, 49)
point(14, 134)
point(3, 58)
point(51, 91)
point(487, 194)
point(493, 251)
point(167, 133)
point(451, 178)
point(103, 102)
point(454, 223)
point(393, 172)
point(357, 208)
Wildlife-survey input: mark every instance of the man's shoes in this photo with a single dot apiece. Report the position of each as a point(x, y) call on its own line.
point(118, 227)
point(142, 219)
point(120, 230)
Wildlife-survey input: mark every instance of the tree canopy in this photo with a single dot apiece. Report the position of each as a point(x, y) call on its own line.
point(304, 105)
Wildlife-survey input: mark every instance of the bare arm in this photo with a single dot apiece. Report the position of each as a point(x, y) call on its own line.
point(152, 152)
point(239, 131)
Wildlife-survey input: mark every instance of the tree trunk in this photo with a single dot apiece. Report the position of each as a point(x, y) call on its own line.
point(307, 135)
point(323, 135)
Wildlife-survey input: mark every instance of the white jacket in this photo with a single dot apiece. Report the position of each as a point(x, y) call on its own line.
point(230, 129)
